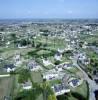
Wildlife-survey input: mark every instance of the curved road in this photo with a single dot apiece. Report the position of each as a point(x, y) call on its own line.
point(92, 85)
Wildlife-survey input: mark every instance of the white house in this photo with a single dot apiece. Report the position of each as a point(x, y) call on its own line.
point(7, 44)
point(27, 85)
point(17, 60)
point(9, 67)
point(50, 76)
point(58, 56)
point(60, 50)
point(46, 62)
point(68, 47)
point(60, 89)
point(84, 45)
point(74, 82)
point(59, 68)
point(33, 66)
point(67, 65)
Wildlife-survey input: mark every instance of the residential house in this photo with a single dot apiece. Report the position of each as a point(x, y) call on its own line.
point(9, 67)
point(34, 66)
point(60, 89)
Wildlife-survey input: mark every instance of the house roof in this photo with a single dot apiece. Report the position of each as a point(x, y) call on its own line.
point(32, 64)
point(59, 87)
point(75, 82)
point(9, 66)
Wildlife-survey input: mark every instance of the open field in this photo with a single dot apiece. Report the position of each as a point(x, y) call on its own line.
point(78, 93)
point(52, 42)
point(81, 90)
point(36, 77)
point(6, 87)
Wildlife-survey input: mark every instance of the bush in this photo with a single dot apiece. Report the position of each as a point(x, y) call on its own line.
point(24, 75)
point(57, 62)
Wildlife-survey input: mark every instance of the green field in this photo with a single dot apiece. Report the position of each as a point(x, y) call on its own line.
point(6, 87)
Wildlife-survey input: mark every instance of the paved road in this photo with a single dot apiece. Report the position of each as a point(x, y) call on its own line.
point(6, 75)
point(92, 85)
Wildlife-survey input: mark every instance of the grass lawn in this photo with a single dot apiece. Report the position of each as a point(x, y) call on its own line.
point(72, 98)
point(91, 54)
point(73, 70)
point(36, 77)
point(40, 97)
point(55, 81)
point(43, 52)
point(17, 87)
point(6, 87)
point(52, 42)
point(82, 90)
point(78, 93)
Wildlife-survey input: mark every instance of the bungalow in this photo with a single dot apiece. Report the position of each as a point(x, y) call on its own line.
point(17, 59)
point(83, 58)
point(68, 47)
point(46, 62)
point(60, 51)
point(59, 68)
point(7, 44)
point(73, 42)
point(84, 45)
point(1, 59)
point(67, 65)
point(74, 82)
point(6, 98)
point(22, 47)
point(50, 76)
point(58, 56)
point(94, 48)
point(33, 66)
point(9, 67)
point(60, 89)
point(27, 85)
point(95, 75)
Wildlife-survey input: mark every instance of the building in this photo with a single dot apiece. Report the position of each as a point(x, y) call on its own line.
point(27, 85)
point(67, 65)
point(60, 89)
point(9, 67)
point(50, 76)
point(46, 62)
point(58, 56)
point(33, 66)
point(74, 82)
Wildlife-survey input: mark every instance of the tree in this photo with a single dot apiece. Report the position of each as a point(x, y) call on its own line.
point(0, 39)
point(14, 38)
point(95, 43)
point(54, 42)
point(44, 89)
point(33, 43)
point(31, 94)
point(46, 36)
point(24, 42)
point(47, 91)
point(24, 75)
point(57, 62)
point(52, 97)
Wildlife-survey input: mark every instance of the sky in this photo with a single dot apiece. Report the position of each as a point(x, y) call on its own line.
point(48, 9)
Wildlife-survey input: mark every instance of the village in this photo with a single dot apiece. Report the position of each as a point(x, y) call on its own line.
point(48, 60)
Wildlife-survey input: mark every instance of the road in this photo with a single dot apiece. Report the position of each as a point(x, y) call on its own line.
point(92, 85)
point(6, 75)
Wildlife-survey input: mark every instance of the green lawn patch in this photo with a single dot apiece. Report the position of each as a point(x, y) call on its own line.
point(36, 77)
